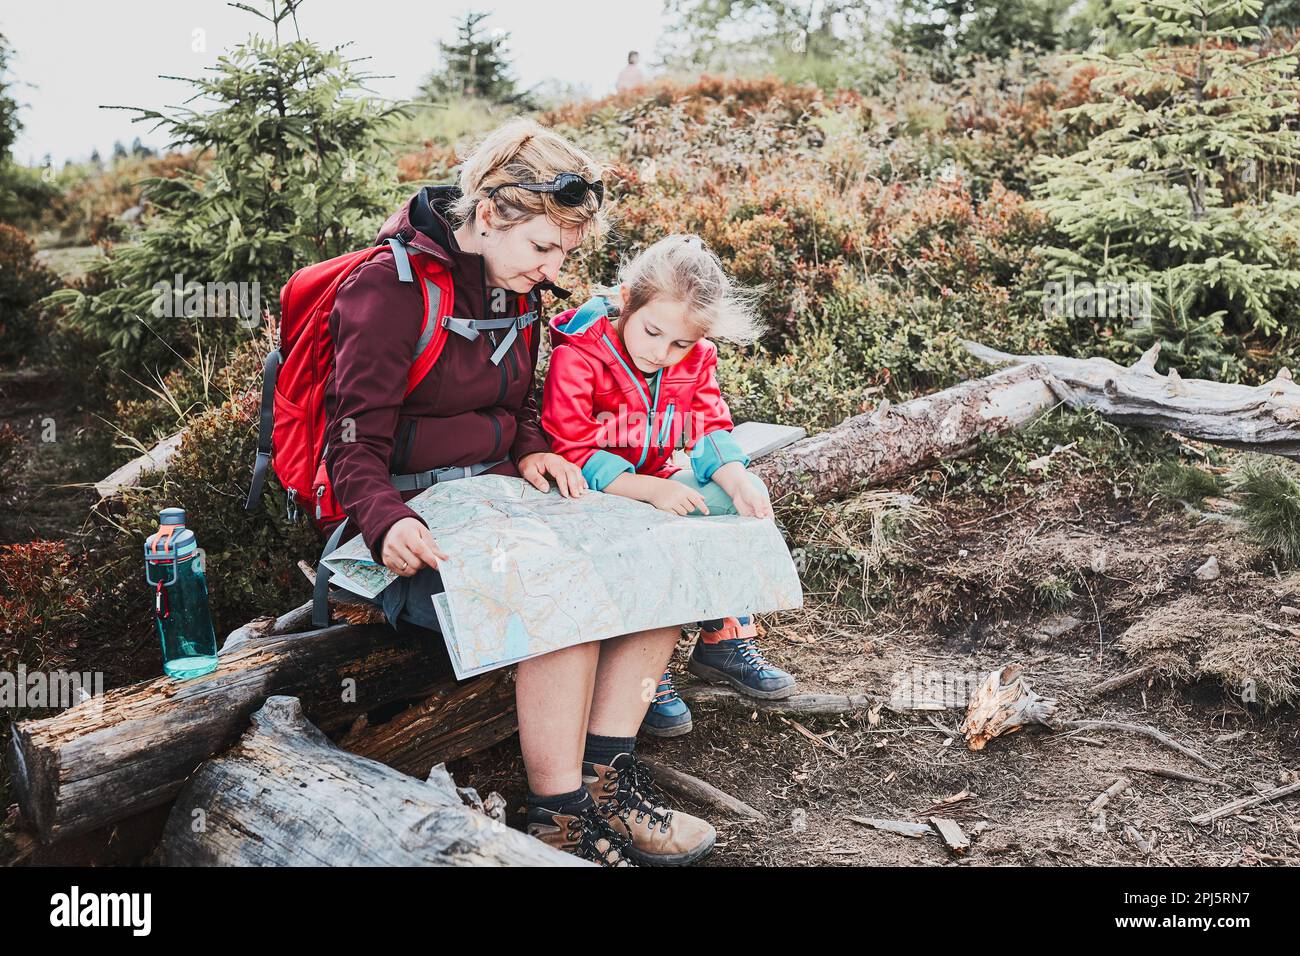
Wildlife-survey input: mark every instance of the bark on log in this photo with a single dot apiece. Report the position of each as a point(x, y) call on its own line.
point(287, 796)
point(895, 440)
point(1262, 418)
point(459, 718)
point(131, 749)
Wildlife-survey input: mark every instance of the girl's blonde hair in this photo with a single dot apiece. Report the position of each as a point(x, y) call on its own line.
point(683, 269)
point(523, 151)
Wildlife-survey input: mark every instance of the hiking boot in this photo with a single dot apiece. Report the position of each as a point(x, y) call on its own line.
point(668, 715)
point(585, 833)
point(736, 661)
point(635, 809)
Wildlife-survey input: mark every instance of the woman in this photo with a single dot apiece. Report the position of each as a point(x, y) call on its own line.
point(526, 199)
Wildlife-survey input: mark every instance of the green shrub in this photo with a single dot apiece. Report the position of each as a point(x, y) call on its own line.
point(23, 283)
point(297, 174)
point(1189, 183)
point(42, 603)
point(1270, 505)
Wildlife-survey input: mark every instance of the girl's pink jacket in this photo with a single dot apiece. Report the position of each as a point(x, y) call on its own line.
point(604, 415)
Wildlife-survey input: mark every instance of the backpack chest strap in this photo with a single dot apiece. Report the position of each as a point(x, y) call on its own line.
point(471, 329)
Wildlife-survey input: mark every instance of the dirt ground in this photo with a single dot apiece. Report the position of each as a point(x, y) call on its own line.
point(968, 604)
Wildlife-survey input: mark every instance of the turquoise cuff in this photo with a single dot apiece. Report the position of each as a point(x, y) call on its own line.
point(603, 467)
point(714, 450)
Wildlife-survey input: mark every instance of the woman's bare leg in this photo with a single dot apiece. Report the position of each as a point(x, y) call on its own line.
point(629, 670)
point(553, 696)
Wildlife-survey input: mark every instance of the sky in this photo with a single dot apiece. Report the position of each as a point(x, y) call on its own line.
point(72, 56)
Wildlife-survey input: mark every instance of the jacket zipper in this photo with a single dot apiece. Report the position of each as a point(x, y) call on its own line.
point(650, 405)
point(666, 430)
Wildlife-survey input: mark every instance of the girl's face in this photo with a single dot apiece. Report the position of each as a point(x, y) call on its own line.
point(530, 252)
point(658, 334)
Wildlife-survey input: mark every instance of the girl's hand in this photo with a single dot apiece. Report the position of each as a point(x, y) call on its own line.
point(408, 546)
point(568, 476)
point(752, 501)
point(674, 496)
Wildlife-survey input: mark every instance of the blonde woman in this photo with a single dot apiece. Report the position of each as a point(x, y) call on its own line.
point(526, 199)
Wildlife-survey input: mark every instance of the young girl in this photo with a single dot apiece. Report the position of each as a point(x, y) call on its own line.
point(631, 377)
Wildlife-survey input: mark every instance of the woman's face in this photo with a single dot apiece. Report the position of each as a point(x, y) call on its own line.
point(658, 334)
point(527, 253)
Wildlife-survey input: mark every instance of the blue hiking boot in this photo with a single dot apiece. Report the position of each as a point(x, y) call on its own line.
point(736, 661)
point(668, 715)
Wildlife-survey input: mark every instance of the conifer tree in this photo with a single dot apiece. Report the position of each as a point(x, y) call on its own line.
point(1189, 182)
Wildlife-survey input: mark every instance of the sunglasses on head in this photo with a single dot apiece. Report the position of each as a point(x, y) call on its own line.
point(569, 189)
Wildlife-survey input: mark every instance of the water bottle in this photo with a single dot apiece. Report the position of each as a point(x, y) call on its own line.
point(173, 566)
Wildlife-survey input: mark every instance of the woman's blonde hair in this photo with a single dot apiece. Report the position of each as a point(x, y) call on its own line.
point(523, 151)
point(683, 269)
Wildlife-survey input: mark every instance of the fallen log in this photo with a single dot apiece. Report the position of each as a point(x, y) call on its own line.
point(1263, 418)
point(459, 718)
point(894, 440)
point(130, 749)
point(134, 471)
point(287, 796)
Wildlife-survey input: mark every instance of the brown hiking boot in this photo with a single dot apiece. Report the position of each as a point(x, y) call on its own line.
point(635, 809)
point(585, 834)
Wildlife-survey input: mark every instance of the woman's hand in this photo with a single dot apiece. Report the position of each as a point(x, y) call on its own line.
point(567, 475)
point(676, 497)
point(408, 546)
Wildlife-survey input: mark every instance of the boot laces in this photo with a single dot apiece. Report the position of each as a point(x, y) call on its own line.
point(590, 827)
point(637, 793)
point(752, 655)
point(666, 693)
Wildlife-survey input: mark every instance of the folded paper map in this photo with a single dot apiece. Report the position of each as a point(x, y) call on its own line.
point(531, 572)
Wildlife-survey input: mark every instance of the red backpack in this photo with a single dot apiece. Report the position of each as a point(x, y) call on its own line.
point(291, 433)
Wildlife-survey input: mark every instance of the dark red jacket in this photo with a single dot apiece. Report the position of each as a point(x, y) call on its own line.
point(465, 411)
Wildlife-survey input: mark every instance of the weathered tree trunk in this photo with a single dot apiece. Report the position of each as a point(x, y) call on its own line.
point(1262, 418)
point(130, 749)
point(286, 796)
point(894, 440)
point(134, 471)
point(459, 718)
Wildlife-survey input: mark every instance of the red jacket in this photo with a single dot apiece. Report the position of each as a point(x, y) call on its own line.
point(465, 411)
point(597, 405)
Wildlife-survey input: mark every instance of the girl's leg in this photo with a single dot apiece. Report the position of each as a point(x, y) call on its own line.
point(553, 697)
point(725, 651)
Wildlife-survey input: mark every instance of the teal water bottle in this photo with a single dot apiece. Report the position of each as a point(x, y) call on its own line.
point(173, 566)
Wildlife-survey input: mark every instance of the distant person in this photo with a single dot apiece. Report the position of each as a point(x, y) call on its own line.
point(630, 77)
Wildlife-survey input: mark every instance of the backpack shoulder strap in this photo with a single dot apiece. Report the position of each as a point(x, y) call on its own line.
point(439, 297)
